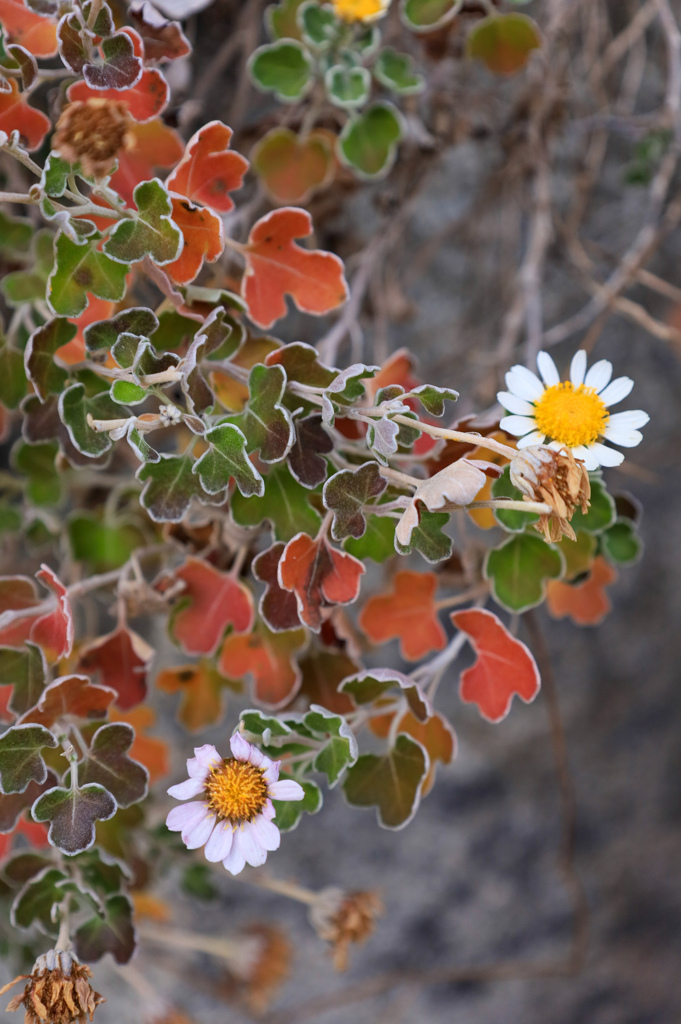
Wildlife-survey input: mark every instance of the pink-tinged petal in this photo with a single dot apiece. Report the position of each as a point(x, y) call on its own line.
point(548, 370)
point(514, 404)
point(536, 437)
point(268, 811)
point(220, 842)
point(616, 391)
point(578, 367)
point(186, 816)
point(286, 789)
point(266, 833)
point(587, 455)
point(252, 851)
point(195, 837)
point(631, 420)
point(517, 425)
point(523, 383)
point(204, 758)
point(607, 456)
point(271, 773)
point(599, 375)
point(241, 749)
point(235, 861)
point(186, 790)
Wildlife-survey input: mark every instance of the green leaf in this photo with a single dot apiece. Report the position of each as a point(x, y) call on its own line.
point(347, 493)
point(262, 725)
point(108, 764)
point(227, 458)
point(79, 270)
point(26, 670)
point(137, 321)
point(369, 686)
point(266, 423)
point(504, 42)
point(368, 142)
point(345, 389)
point(348, 88)
point(512, 520)
point(396, 71)
point(601, 512)
point(284, 68)
point(36, 463)
point(620, 543)
point(41, 369)
point(289, 812)
point(152, 232)
point(35, 901)
point(104, 875)
point(285, 503)
point(197, 881)
point(427, 15)
point(72, 814)
point(112, 932)
point(13, 384)
point(31, 285)
point(433, 399)
point(281, 20)
point(102, 546)
point(17, 870)
point(74, 408)
point(169, 487)
point(377, 542)
point(124, 392)
point(427, 537)
point(318, 24)
point(20, 758)
point(15, 234)
point(55, 177)
point(340, 751)
point(519, 569)
point(173, 330)
point(390, 782)
point(302, 364)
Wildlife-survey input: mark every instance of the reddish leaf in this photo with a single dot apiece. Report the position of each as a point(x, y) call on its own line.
point(17, 115)
point(203, 694)
point(74, 350)
point(35, 833)
point(163, 40)
point(70, 695)
point(276, 267)
point(323, 672)
point(278, 607)
point(269, 659)
point(209, 170)
point(145, 100)
point(203, 235)
point(148, 750)
point(37, 34)
point(504, 666)
point(121, 659)
point(409, 612)
point(54, 631)
point(216, 601)
point(154, 146)
point(319, 575)
point(292, 168)
point(586, 603)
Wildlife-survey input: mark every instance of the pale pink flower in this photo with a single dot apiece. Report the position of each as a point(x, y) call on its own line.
point(233, 816)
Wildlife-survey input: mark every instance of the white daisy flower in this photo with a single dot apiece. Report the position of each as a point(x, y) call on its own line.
point(571, 414)
point(233, 817)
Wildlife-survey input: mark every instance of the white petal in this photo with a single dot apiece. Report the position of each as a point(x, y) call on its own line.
point(607, 456)
point(186, 816)
point(587, 456)
point(286, 789)
point(515, 404)
point(523, 383)
point(220, 842)
point(517, 425)
point(241, 749)
point(195, 837)
point(616, 391)
point(599, 375)
point(536, 437)
point(266, 833)
point(186, 790)
point(631, 420)
point(235, 861)
point(578, 367)
point(268, 811)
point(271, 773)
point(548, 369)
point(252, 851)
point(624, 437)
point(204, 757)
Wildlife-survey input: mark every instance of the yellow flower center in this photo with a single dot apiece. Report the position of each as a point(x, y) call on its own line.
point(236, 790)
point(571, 415)
point(358, 10)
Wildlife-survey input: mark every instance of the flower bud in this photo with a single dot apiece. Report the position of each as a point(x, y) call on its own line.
point(556, 478)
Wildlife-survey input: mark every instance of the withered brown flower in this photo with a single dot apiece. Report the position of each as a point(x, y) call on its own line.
point(92, 133)
point(57, 991)
point(556, 478)
point(342, 918)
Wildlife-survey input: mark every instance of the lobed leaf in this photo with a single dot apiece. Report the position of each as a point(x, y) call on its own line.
point(214, 601)
point(390, 782)
point(319, 575)
point(80, 270)
point(284, 68)
point(285, 504)
point(41, 370)
point(270, 661)
point(72, 814)
point(121, 658)
point(26, 670)
point(209, 170)
point(519, 569)
point(73, 695)
point(277, 607)
point(151, 232)
point(347, 494)
point(112, 932)
point(407, 612)
point(225, 459)
point(21, 762)
point(368, 142)
point(107, 763)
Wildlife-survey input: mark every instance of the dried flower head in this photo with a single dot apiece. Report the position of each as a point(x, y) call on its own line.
point(557, 479)
point(92, 133)
point(342, 918)
point(58, 991)
point(258, 977)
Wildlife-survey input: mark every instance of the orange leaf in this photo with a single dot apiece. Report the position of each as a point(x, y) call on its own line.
point(586, 603)
point(121, 658)
point(203, 239)
point(151, 908)
point(437, 736)
point(145, 100)
point(269, 659)
point(70, 695)
point(319, 575)
point(408, 612)
point(504, 666)
point(292, 168)
point(276, 267)
point(37, 34)
point(202, 690)
point(209, 170)
point(216, 601)
point(17, 115)
point(52, 629)
point(35, 832)
point(148, 750)
point(96, 309)
point(154, 146)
